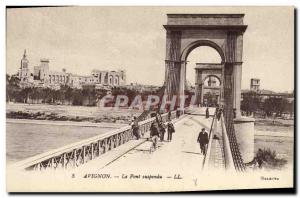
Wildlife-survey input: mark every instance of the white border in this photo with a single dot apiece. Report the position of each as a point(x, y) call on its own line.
point(5, 3)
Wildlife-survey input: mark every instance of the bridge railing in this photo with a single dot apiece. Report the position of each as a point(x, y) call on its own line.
point(76, 154)
point(229, 164)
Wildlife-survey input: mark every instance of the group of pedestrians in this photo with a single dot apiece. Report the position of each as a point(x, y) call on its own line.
point(219, 111)
point(158, 130)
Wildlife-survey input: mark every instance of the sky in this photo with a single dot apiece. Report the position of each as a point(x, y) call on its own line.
point(81, 39)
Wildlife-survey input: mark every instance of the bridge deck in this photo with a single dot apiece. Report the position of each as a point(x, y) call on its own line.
point(174, 165)
point(180, 156)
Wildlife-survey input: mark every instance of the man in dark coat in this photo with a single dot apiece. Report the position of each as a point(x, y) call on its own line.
point(203, 140)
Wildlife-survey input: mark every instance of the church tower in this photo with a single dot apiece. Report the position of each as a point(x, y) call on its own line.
point(24, 70)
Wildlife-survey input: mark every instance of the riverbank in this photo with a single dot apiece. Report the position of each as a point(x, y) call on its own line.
point(70, 113)
point(278, 137)
point(282, 145)
point(274, 122)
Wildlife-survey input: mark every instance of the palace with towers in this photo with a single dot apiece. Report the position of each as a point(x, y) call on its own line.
point(42, 76)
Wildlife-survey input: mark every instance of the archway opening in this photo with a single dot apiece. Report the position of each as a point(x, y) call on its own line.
point(211, 90)
point(206, 55)
point(212, 81)
point(202, 54)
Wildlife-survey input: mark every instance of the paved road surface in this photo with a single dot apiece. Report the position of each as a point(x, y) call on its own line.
point(180, 156)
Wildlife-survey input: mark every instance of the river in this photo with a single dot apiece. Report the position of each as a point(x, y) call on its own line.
point(25, 140)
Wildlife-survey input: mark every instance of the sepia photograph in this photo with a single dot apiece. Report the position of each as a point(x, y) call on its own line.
point(149, 98)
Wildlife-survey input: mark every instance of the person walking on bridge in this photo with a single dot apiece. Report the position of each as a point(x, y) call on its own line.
point(219, 113)
point(135, 128)
point(207, 113)
point(203, 140)
point(162, 130)
point(171, 130)
point(154, 134)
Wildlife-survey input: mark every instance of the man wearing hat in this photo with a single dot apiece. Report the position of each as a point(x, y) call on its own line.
point(203, 140)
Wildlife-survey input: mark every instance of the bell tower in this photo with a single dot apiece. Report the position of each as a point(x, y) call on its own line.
point(24, 70)
point(24, 61)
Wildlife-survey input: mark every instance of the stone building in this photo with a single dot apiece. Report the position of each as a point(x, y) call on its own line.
point(112, 78)
point(254, 84)
point(44, 77)
point(76, 81)
point(47, 76)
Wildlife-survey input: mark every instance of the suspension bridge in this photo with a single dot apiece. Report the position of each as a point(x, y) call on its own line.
point(231, 137)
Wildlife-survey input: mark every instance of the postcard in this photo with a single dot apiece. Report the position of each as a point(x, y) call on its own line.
point(149, 99)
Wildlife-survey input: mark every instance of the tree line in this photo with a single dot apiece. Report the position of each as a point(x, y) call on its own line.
point(87, 96)
point(254, 103)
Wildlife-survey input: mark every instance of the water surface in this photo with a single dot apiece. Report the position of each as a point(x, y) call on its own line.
point(26, 140)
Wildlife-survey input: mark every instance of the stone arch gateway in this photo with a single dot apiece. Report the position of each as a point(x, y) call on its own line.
point(223, 32)
point(204, 71)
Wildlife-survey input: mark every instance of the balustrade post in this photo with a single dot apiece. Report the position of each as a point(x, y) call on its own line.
point(83, 154)
point(109, 143)
point(52, 163)
point(122, 138)
point(74, 158)
point(112, 142)
point(117, 140)
point(92, 151)
point(105, 145)
point(64, 161)
point(37, 167)
point(99, 148)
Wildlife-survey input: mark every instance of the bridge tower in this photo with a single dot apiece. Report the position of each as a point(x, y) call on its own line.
point(224, 33)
